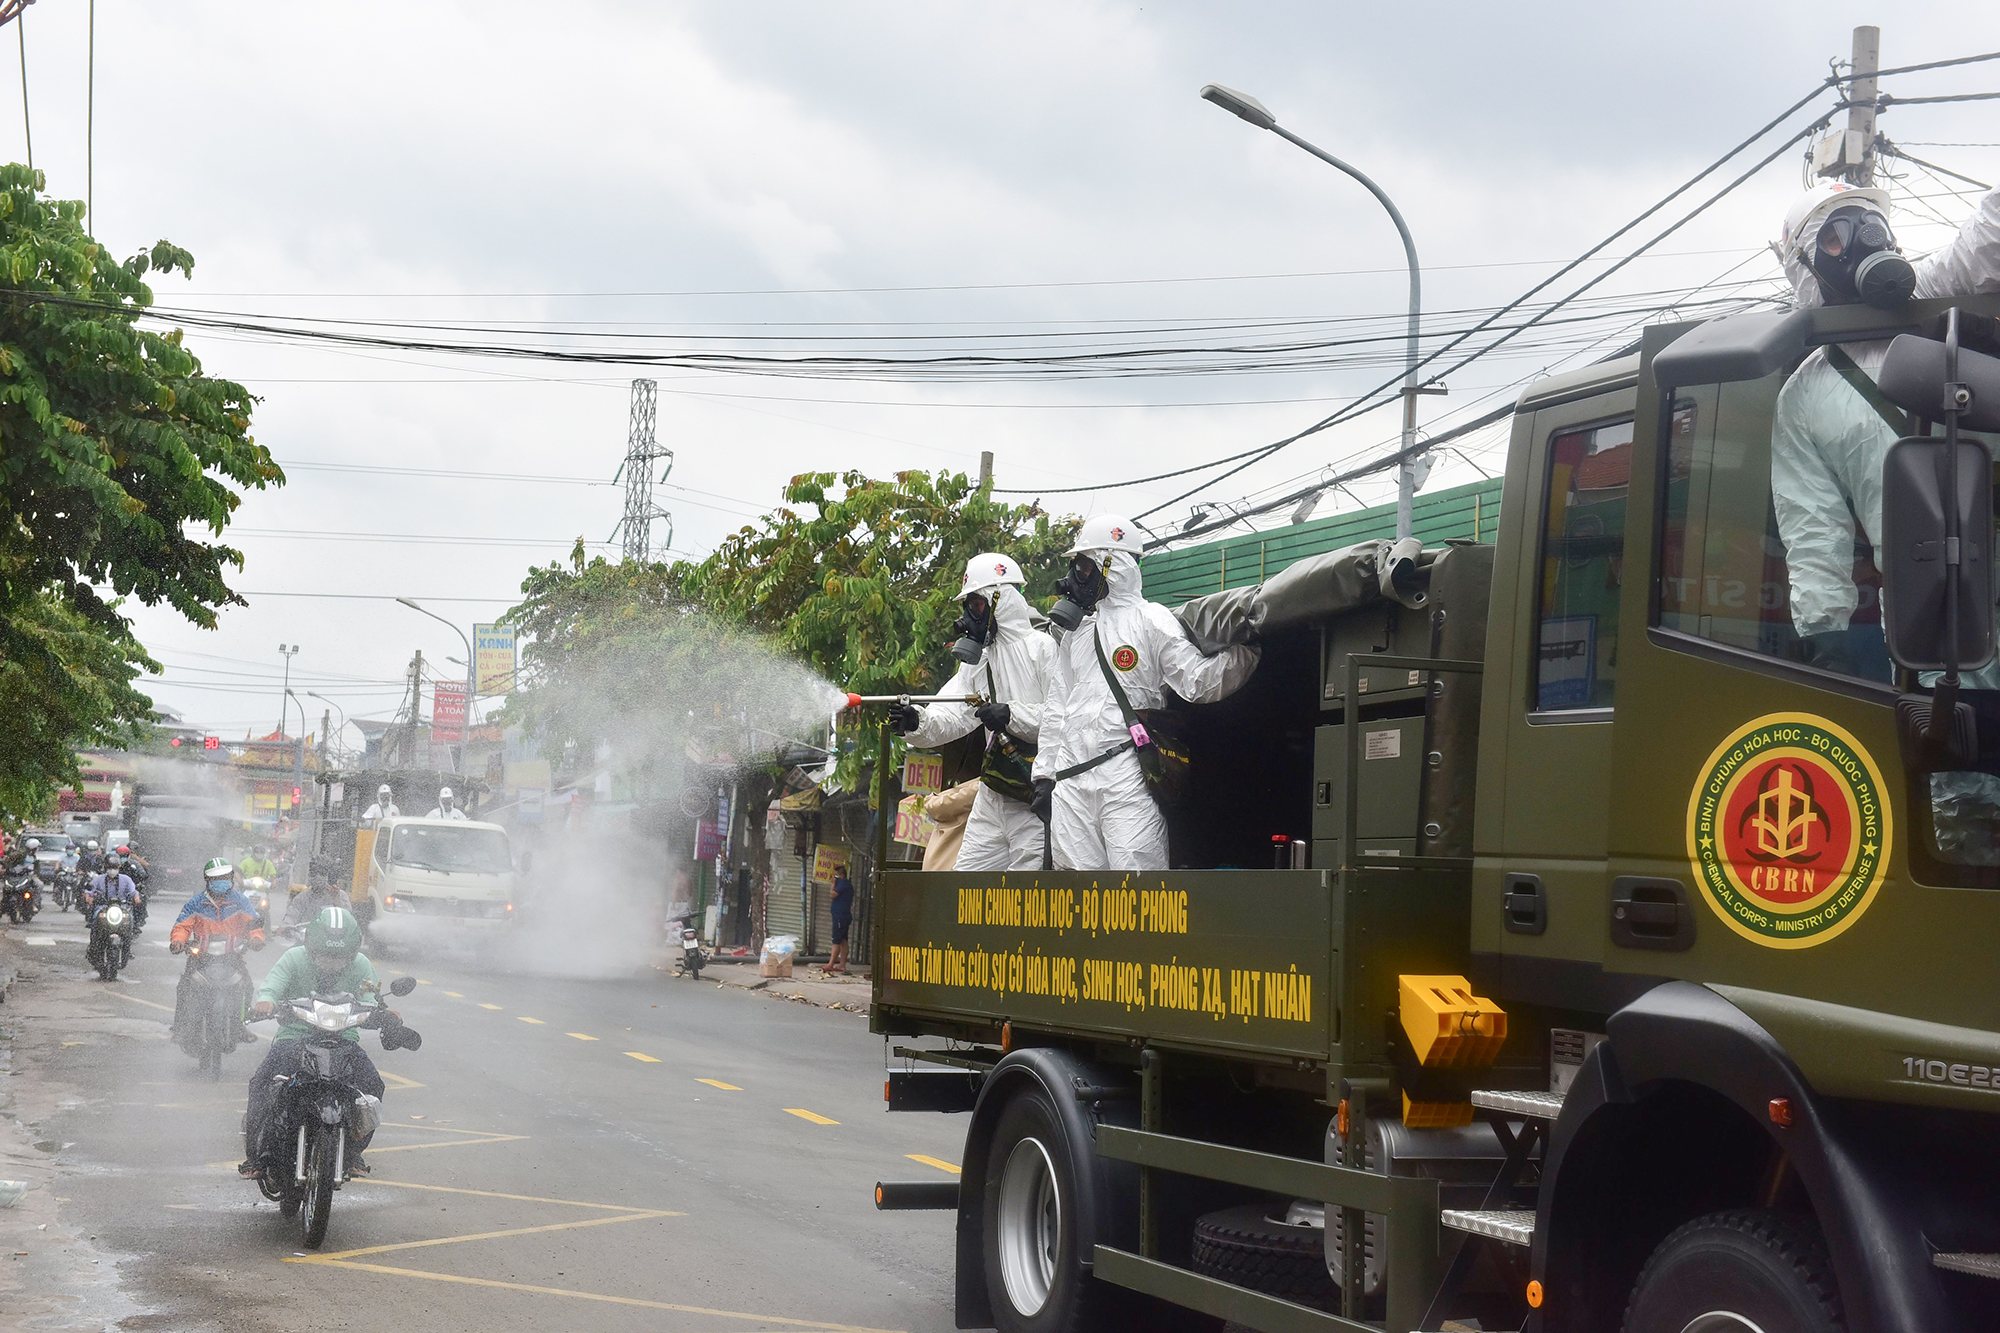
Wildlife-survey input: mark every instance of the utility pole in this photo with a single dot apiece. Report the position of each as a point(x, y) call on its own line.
point(1850, 154)
point(641, 451)
point(985, 468)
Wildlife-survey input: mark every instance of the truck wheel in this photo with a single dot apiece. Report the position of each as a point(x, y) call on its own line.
point(1034, 1256)
point(1244, 1246)
point(1744, 1271)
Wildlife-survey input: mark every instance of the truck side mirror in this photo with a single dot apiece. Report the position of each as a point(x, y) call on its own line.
point(1914, 376)
point(1913, 558)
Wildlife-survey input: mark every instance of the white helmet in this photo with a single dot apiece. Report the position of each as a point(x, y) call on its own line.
point(1809, 210)
point(383, 790)
point(34, 844)
point(444, 796)
point(1108, 532)
point(989, 570)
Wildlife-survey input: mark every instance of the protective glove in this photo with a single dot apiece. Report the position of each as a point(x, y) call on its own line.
point(905, 718)
point(1045, 792)
point(175, 946)
point(262, 1009)
point(993, 717)
point(1831, 651)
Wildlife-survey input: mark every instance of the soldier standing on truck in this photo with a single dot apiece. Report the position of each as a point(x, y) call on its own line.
point(1120, 658)
point(1832, 432)
point(1005, 660)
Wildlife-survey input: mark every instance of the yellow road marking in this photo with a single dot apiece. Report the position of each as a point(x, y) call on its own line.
point(813, 1116)
point(454, 995)
point(136, 1000)
point(641, 1055)
point(932, 1161)
point(490, 1235)
point(586, 1295)
point(718, 1083)
point(525, 1019)
point(484, 1005)
point(518, 1198)
point(397, 1080)
point(422, 982)
point(580, 1036)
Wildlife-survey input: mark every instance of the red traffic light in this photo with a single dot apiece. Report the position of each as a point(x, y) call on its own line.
point(175, 741)
point(297, 792)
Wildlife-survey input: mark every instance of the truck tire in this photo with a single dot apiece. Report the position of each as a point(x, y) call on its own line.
point(1033, 1252)
point(1244, 1246)
point(1737, 1271)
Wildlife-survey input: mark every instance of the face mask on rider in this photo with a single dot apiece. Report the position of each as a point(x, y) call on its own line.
point(975, 628)
point(1856, 259)
point(1082, 588)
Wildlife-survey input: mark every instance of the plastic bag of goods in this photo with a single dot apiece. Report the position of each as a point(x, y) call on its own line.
point(776, 960)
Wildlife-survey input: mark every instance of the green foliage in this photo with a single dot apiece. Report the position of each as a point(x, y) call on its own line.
point(64, 685)
point(865, 586)
point(114, 446)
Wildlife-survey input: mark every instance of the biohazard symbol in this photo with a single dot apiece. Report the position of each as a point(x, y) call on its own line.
point(1117, 534)
point(1001, 569)
point(1784, 817)
point(1125, 657)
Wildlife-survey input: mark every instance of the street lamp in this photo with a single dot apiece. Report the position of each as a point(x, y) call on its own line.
point(289, 653)
point(315, 694)
point(1248, 108)
point(465, 725)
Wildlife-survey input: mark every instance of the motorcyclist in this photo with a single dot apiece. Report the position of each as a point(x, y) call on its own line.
point(330, 960)
point(21, 856)
point(90, 860)
point(321, 893)
point(258, 864)
point(109, 885)
point(1830, 436)
point(447, 806)
point(384, 807)
point(1004, 660)
point(219, 909)
point(1102, 813)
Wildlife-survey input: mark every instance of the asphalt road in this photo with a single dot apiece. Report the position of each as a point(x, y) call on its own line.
point(632, 1152)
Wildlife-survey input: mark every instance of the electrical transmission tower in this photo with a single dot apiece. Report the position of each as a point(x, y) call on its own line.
point(642, 450)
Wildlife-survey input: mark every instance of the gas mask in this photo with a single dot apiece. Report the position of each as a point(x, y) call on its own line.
point(1856, 259)
point(974, 628)
point(1081, 589)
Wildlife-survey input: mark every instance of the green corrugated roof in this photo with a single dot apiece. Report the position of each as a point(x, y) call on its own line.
point(1172, 577)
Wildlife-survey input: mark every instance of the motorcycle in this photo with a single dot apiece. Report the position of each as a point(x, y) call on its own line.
point(258, 890)
point(110, 945)
point(211, 1025)
point(316, 1113)
point(692, 958)
point(20, 895)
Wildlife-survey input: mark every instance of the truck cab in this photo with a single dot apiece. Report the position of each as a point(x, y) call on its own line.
point(1633, 977)
point(423, 875)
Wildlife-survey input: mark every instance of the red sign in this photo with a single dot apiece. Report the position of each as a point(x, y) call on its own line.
point(447, 713)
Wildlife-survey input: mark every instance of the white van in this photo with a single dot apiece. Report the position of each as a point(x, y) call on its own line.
point(437, 870)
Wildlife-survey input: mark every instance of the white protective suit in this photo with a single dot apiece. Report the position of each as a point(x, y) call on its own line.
point(378, 812)
point(439, 812)
point(1001, 833)
point(1106, 819)
point(1827, 450)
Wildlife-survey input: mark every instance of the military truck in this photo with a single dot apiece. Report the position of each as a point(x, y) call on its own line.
point(1552, 916)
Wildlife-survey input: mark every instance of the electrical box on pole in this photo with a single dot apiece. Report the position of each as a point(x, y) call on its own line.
point(1849, 153)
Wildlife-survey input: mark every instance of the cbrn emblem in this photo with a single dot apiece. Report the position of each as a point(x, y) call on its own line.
point(1789, 829)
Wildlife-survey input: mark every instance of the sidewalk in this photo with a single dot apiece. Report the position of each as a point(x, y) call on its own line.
point(808, 984)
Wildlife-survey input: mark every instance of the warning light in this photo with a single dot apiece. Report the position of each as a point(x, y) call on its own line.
point(175, 741)
point(211, 742)
point(297, 792)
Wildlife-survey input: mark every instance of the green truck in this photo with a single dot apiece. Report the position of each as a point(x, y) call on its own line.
point(1557, 919)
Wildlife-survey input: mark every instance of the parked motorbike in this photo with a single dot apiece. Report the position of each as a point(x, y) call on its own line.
point(210, 1024)
point(110, 946)
point(692, 958)
point(317, 1114)
point(20, 895)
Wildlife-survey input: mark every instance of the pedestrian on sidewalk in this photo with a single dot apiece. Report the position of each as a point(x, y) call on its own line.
point(843, 919)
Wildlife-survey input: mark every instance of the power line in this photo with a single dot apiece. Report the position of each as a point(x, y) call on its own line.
point(378, 597)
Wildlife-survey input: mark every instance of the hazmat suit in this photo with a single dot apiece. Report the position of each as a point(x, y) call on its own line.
point(1827, 450)
point(1105, 817)
point(1001, 832)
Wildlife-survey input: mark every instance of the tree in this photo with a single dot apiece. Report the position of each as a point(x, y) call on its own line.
point(865, 587)
point(114, 445)
point(64, 685)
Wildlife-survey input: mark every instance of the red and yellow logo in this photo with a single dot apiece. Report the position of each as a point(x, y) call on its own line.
point(1125, 657)
point(1788, 830)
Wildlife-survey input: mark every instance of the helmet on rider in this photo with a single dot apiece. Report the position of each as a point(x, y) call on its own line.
point(218, 876)
point(332, 939)
point(91, 845)
point(444, 799)
point(122, 849)
point(34, 844)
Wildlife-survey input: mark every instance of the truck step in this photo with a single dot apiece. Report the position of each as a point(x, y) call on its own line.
point(1516, 1226)
point(1979, 1265)
point(1535, 1105)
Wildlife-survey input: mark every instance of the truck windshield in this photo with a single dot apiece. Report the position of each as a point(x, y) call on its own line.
point(480, 851)
point(1773, 498)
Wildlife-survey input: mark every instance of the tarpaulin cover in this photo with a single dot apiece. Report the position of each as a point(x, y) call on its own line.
point(1310, 590)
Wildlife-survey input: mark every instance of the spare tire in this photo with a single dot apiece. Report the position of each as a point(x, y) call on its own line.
point(1245, 1246)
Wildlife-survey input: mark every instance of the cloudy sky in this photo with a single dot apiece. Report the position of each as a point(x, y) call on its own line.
point(889, 178)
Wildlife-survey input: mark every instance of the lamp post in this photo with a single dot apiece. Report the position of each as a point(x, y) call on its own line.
point(315, 694)
point(289, 654)
point(298, 752)
point(1250, 109)
point(465, 725)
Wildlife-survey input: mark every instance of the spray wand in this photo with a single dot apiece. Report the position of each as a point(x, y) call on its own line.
point(856, 700)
